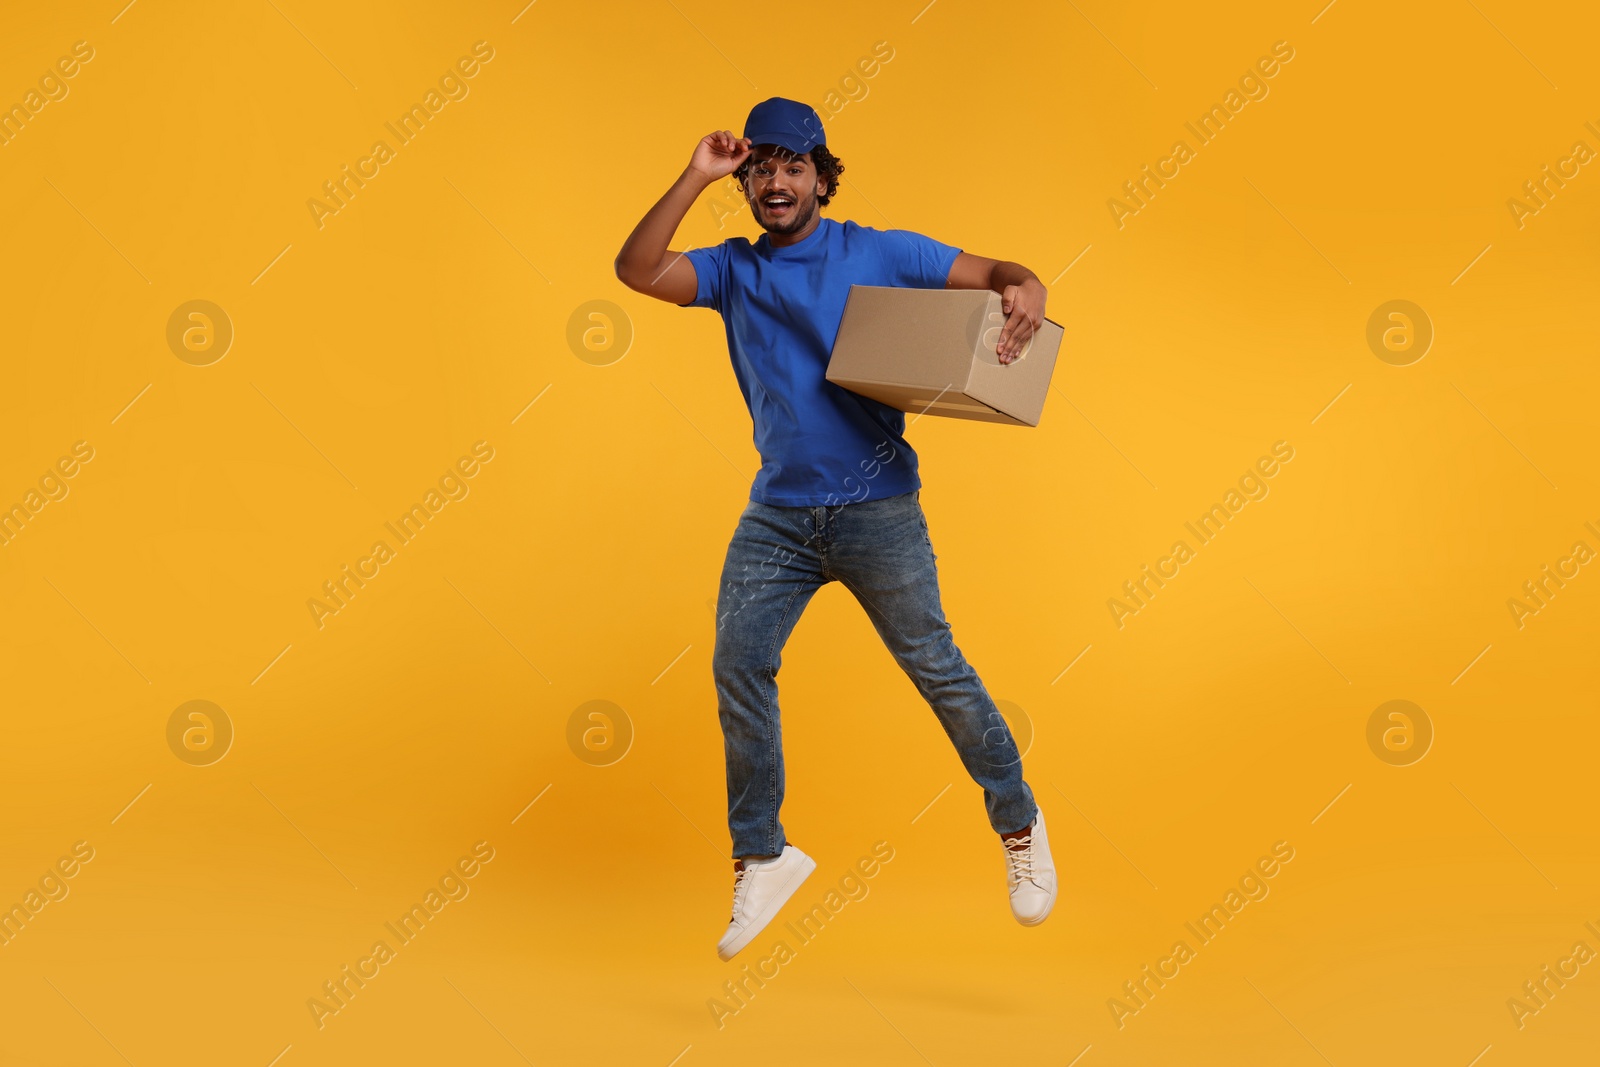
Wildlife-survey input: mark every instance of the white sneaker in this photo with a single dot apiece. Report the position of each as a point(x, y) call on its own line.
point(759, 891)
point(1031, 874)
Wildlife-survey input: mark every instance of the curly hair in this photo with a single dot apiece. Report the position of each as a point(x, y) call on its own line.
point(827, 164)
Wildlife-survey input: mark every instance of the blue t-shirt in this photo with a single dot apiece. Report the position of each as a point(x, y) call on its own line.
point(819, 442)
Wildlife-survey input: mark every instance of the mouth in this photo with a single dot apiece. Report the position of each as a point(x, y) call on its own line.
point(778, 205)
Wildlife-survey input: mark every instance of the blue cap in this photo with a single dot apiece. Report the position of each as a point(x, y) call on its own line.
point(786, 123)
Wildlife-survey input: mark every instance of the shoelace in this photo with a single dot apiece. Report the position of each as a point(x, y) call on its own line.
point(1019, 860)
point(741, 885)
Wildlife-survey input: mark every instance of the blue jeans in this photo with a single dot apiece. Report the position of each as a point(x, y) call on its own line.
point(880, 549)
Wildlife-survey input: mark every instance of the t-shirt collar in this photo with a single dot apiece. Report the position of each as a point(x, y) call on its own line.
point(805, 243)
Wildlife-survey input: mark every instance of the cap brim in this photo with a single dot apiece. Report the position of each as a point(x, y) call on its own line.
point(787, 140)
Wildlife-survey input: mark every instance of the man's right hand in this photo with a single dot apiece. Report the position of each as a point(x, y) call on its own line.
point(645, 264)
point(718, 155)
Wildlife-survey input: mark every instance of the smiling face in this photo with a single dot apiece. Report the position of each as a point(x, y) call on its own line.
point(782, 189)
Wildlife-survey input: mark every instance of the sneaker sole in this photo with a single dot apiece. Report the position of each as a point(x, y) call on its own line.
point(770, 912)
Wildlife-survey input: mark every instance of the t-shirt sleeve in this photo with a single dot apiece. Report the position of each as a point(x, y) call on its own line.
point(708, 264)
point(917, 261)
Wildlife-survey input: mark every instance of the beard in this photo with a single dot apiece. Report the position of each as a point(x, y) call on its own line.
point(798, 219)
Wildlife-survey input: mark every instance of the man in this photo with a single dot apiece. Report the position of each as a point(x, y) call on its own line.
point(838, 493)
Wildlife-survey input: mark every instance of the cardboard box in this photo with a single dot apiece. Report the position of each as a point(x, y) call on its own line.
point(932, 351)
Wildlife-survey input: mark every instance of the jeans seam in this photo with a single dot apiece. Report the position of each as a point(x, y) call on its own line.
point(769, 676)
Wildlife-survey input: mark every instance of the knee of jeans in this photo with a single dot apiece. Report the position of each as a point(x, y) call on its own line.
point(739, 655)
point(935, 656)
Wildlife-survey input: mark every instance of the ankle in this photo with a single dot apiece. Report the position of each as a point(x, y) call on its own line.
point(739, 862)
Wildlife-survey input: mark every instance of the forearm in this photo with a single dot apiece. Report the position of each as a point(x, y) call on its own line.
point(1004, 273)
point(643, 253)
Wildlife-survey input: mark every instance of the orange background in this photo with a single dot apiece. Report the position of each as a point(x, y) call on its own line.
point(432, 312)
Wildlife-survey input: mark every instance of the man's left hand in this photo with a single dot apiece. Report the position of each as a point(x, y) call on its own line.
point(1024, 308)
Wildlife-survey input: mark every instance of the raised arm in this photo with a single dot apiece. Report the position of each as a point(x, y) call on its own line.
point(1022, 297)
point(645, 264)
